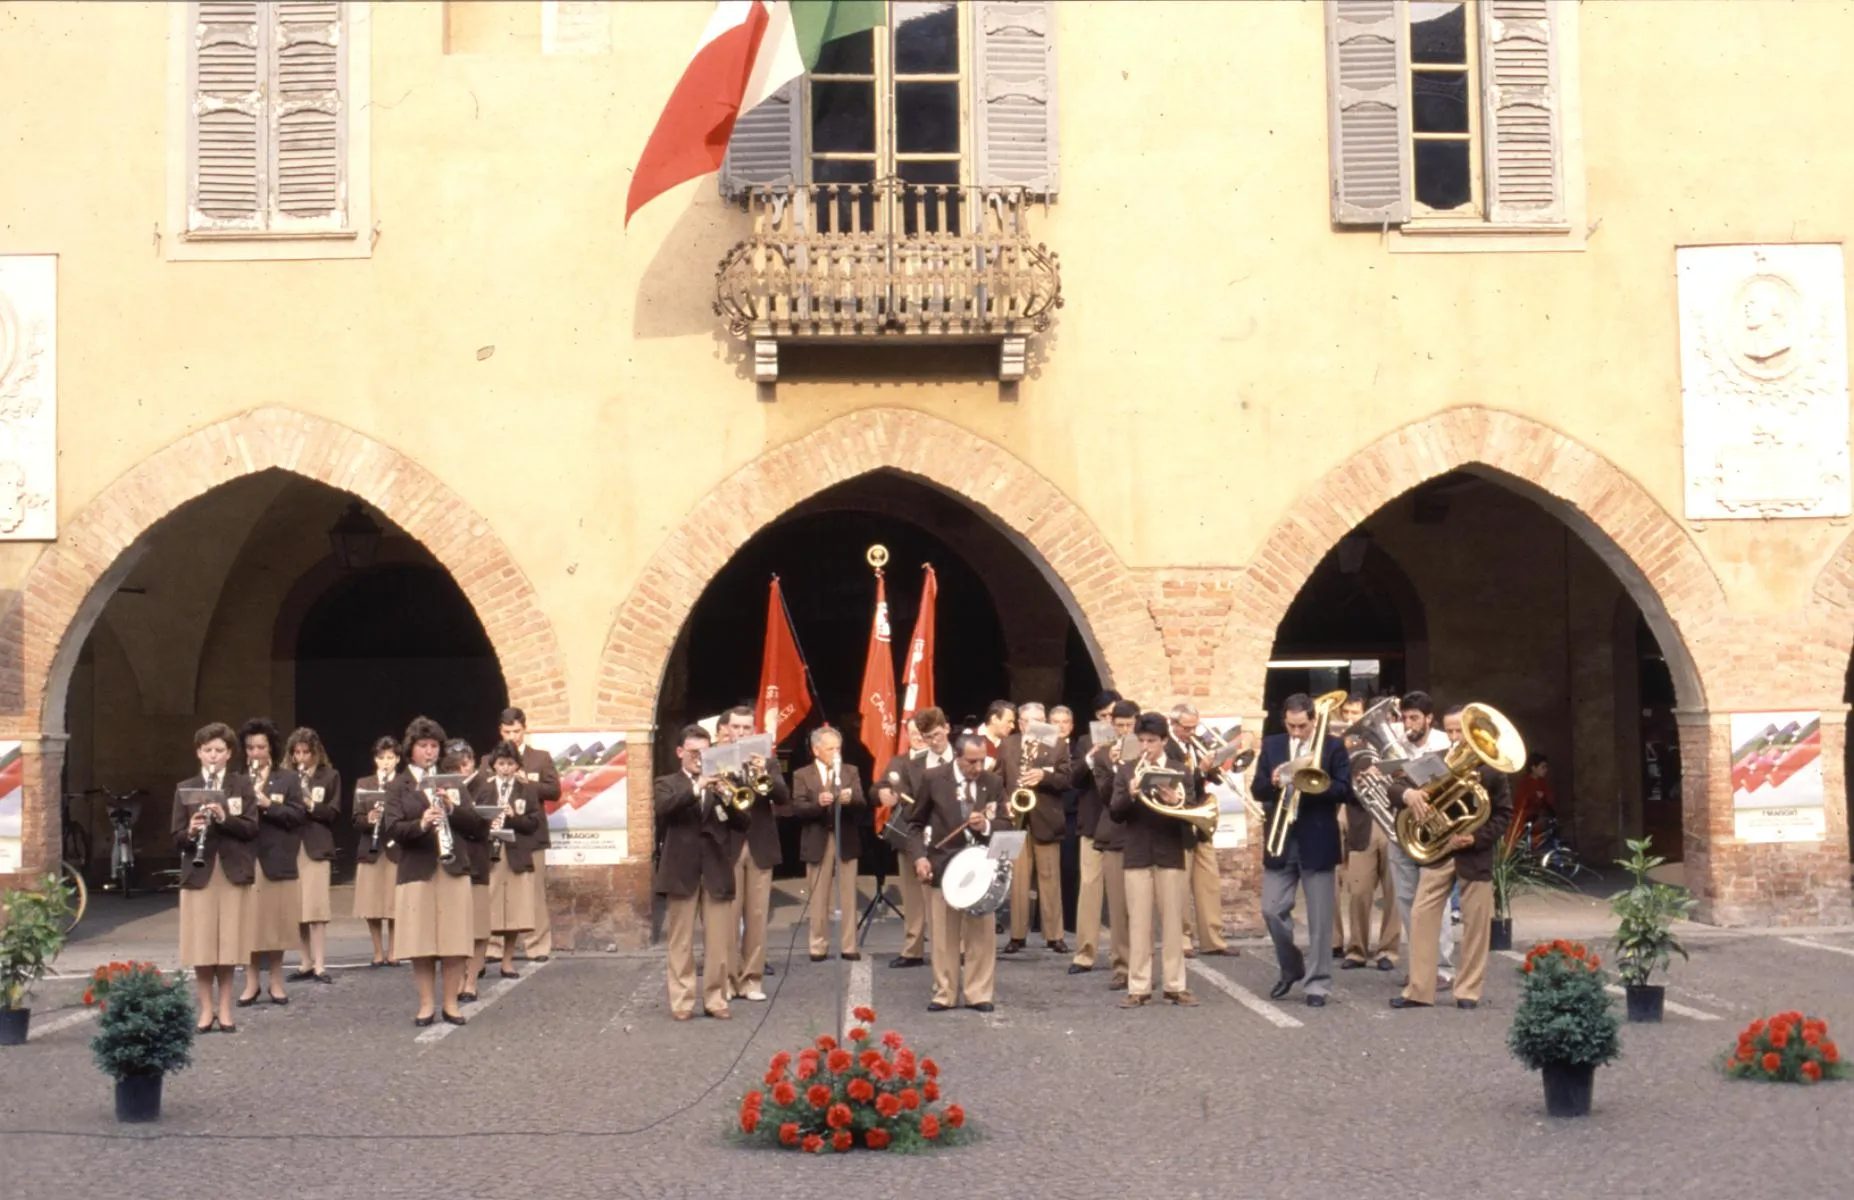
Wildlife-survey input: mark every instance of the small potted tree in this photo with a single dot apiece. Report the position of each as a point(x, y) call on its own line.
point(145, 1033)
point(1645, 936)
point(33, 934)
point(1565, 1027)
point(1516, 871)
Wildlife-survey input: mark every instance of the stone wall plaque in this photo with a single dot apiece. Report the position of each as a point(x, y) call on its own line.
point(28, 397)
point(1764, 381)
point(576, 27)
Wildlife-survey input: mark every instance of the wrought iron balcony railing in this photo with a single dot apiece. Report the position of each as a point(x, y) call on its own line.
point(866, 261)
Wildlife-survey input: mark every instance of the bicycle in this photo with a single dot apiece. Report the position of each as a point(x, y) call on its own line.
point(123, 809)
point(73, 879)
point(76, 838)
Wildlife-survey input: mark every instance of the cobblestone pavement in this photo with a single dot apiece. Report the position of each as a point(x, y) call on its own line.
point(574, 1082)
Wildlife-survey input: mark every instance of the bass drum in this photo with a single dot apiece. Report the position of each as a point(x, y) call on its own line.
point(975, 883)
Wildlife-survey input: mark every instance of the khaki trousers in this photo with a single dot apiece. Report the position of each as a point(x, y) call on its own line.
point(817, 887)
point(1367, 877)
point(1101, 874)
point(1046, 858)
point(539, 943)
point(915, 912)
point(1148, 888)
point(682, 912)
point(752, 903)
point(1203, 927)
point(957, 937)
point(1429, 913)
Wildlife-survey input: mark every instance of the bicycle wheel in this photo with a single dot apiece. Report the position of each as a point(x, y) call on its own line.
point(80, 894)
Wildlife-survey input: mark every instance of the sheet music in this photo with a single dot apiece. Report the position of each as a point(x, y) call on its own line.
point(1006, 845)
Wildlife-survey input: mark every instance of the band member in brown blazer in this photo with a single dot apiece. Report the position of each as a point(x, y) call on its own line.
point(1365, 875)
point(1470, 864)
point(321, 792)
point(1102, 872)
point(537, 768)
point(754, 851)
point(376, 856)
point(1203, 876)
point(1000, 719)
point(1156, 848)
point(212, 892)
point(818, 791)
point(276, 897)
point(433, 910)
point(1041, 859)
point(458, 758)
point(511, 895)
point(906, 774)
point(962, 795)
point(695, 877)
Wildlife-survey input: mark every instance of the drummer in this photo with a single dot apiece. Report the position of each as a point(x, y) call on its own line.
point(962, 799)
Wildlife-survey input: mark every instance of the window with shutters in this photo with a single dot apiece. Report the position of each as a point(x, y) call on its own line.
point(1452, 117)
point(271, 128)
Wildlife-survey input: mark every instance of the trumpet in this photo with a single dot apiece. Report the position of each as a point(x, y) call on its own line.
point(1304, 776)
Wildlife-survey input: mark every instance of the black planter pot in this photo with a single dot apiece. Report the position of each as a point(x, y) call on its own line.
point(138, 1098)
point(1567, 1089)
point(1502, 938)
point(1645, 1001)
point(13, 1022)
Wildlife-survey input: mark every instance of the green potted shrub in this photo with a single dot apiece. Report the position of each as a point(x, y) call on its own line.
point(145, 1033)
point(33, 934)
point(1645, 937)
point(1516, 871)
point(1565, 1027)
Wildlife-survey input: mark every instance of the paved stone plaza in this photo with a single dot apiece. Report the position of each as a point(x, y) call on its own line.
point(605, 1096)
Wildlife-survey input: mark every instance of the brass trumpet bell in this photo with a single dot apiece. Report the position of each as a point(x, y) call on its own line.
point(1021, 804)
point(1202, 817)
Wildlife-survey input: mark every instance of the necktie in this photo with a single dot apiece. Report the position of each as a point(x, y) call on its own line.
point(503, 786)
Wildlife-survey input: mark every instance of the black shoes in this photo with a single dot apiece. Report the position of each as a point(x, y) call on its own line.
point(466, 997)
point(902, 960)
point(422, 1022)
point(819, 957)
point(1078, 969)
point(983, 1006)
point(1316, 1002)
point(299, 976)
point(1349, 965)
point(1281, 988)
point(936, 1006)
point(1467, 1004)
point(852, 957)
point(1013, 946)
point(1401, 1002)
point(1385, 964)
point(1059, 946)
point(455, 1020)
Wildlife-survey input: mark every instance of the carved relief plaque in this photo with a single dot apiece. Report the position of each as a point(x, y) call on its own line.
point(28, 392)
point(1764, 381)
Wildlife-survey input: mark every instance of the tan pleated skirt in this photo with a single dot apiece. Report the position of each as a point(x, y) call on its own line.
point(434, 919)
point(212, 923)
point(313, 876)
point(373, 889)
point(537, 880)
point(273, 911)
point(479, 911)
point(511, 899)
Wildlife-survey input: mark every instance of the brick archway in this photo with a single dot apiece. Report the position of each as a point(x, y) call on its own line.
point(1654, 557)
point(1100, 592)
point(66, 589)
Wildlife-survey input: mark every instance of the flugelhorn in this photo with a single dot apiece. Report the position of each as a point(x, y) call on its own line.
point(1203, 816)
point(1305, 775)
point(1458, 803)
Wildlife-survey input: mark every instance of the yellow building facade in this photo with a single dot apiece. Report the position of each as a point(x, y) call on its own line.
point(1266, 352)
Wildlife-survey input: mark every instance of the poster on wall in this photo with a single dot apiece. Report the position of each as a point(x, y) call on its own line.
point(1231, 795)
point(12, 805)
point(590, 823)
point(1777, 793)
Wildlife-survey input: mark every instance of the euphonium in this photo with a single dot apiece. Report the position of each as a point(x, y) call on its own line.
point(1373, 739)
point(1202, 817)
point(1304, 776)
point(1459, 803)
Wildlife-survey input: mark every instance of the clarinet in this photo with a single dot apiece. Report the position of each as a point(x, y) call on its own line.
point(447, 844)
point(380, 805)
point(495, 827)
point(199, 846)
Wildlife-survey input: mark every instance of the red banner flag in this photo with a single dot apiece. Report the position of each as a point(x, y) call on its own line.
point(917, 676)
point(878, 703)
point(784, 696)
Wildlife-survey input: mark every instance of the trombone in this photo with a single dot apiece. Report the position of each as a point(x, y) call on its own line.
point(1304, 776)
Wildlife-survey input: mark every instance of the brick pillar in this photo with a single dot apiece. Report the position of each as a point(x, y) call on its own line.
point(1240, 867)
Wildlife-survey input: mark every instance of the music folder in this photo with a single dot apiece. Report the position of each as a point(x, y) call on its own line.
point(1006, 844)
point(1100, 733)
point(193, 799)
point(447, 783)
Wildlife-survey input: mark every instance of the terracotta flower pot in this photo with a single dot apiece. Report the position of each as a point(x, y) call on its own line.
point(1567, 1089)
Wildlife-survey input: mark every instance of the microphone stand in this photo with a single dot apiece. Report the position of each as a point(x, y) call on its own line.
point(843, 979)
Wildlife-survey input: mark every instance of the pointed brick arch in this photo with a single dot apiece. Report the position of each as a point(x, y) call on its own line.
point(1655, 558)
point(67, 588)
point(1101, 594)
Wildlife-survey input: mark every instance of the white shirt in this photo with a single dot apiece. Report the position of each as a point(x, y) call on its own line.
point(1435, 739)
point(938, 760)
point(828, 776)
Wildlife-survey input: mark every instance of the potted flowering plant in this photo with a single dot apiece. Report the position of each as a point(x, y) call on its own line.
point(1565, 1027)
point(1786, 1048)
point(1517, 869)
point(873, 1093)
point(1645, 938)
point(145, 1033)
point(32, 930)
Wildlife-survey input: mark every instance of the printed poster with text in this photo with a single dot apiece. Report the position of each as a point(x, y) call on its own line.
point(12, 805)
point(590, 823)
point(1777, 790)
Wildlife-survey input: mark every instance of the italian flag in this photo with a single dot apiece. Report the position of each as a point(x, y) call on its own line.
point(750, 50)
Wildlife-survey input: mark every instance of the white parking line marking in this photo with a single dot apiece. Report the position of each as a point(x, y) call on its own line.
point(1796, 941)
point(495, 992)
point(861, 991)
point(1242, 995)
point(1680, 1010)
point(65, 1022)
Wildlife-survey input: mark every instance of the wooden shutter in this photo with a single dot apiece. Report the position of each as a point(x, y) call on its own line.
point(1014, 95)
point(1519, 91)
point(308, 138)
point(1370, 121)
point(225, 141)
point(766, 145)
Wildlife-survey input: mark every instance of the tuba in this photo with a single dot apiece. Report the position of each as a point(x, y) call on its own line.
point(1202, 817)
point(1304, 776)
point(1377, 738)
point(1458, 803)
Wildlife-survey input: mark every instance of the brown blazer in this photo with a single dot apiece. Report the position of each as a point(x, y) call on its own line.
point(1048, 820)
point(943, 812)
point(817, 820)
point(538, 766)
point(1110, 835)
point(280, 824)
point(525, 821)
point(1091, 798)
point(695, 839)
point(418, 848)
point(365, 789)
point(1152, 840)
point(912, 771)
point(231, 843)
point(761, 834)
point(319, 830)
